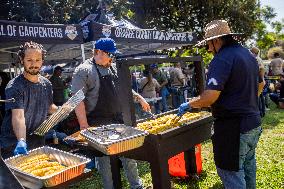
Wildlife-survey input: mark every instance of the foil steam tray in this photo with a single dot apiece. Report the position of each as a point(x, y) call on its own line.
point(75, 167)
point(114, 138)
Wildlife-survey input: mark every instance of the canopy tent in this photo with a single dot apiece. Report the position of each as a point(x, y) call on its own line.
point(62, 42)
point(129, 38)
point(134, 41)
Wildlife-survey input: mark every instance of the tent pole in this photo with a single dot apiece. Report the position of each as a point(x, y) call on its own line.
point(20, 67)
point(83, 52)
point(136, 80)
point(16, 71)
point(10, 71)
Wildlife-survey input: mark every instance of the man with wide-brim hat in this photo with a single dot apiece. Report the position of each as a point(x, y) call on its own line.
point(217, 29)
point(231, 91)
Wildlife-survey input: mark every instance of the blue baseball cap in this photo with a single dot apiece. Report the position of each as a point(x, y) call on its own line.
point(154, 66)
point(106, 44)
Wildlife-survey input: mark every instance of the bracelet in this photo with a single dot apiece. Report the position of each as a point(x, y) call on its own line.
point(58, 107)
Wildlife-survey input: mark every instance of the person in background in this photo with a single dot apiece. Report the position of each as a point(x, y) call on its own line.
point(276, 65)
point(177, 82)
point(278, 96)
point(148, 85)
point(33, 102)
point(161, 77)
point(98, 78)
point(231, 91)
point(58, 86)
point(255, 51)
point(134, 83)
point(261, 104)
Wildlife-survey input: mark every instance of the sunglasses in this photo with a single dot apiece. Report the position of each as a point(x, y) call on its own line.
point(111, 55)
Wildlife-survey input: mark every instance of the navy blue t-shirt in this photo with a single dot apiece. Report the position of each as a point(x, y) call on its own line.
point(234, 72)
point(34, 98)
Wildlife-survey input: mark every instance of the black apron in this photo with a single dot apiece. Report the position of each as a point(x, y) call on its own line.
point(226, 142)
point(107, 110)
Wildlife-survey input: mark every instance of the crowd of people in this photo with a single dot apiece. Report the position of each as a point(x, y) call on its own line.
point(165, 87)
point(176, 84)
point(273, 86)
point(237, 85)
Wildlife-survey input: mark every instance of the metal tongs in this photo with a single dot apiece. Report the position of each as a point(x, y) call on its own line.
point(60, 114)
point(152, 115)
point(8, 100)
point(175, 119)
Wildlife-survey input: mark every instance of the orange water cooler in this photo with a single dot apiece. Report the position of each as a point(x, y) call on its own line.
point(186, 163)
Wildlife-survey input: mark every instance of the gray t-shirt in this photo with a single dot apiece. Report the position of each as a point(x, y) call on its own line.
point(86, 76)
point(34, 98)
point(176, 76)
point(149, 90)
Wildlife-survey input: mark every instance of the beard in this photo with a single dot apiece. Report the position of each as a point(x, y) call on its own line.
point(32, 70)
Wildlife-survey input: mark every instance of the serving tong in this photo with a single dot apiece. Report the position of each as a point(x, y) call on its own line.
point(60, 114)
point(153, 116)
point(174, 120)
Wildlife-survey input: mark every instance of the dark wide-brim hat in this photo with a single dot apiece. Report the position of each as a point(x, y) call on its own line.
point(216, 29)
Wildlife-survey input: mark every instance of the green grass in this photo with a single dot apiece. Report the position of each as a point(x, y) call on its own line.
point(270, 161)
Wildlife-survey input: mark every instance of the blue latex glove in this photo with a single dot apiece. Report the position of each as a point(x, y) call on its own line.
point(64, 139)
point(69, 141)
point(21, 148)
point(182, 108)
point(61, 136)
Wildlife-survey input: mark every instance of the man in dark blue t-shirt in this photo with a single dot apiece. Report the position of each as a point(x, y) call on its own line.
point(33, 102)
point(232, 92)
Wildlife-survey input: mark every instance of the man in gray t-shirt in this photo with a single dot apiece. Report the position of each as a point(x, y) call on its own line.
point(98, 77)
point(34, 98)
point(33, 102)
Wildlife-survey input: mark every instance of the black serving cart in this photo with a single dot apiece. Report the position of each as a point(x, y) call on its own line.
point(7, 178)
point(158, 148)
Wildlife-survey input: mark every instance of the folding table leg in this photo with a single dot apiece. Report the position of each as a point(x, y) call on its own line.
point(160, 172)
point(115, 169)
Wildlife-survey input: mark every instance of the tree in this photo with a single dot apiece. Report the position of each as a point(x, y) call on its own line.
point(195, 14)
point(47, 11)
point(266, 39)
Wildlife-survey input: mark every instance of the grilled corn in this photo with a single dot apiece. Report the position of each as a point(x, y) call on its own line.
point(166, 122)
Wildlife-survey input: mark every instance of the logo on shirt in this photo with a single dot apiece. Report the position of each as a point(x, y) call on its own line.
point(212, 81)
